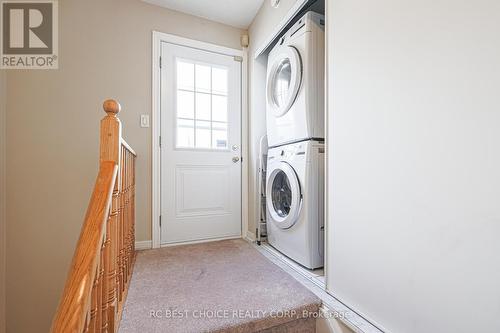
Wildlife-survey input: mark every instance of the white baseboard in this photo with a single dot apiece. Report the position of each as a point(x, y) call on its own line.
point(199, 241)
point(143, 245)
point(250, 236)
point(329, 322)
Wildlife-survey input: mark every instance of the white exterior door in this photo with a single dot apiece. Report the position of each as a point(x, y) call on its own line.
point(201, 145)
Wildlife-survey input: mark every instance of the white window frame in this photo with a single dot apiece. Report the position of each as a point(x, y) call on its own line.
point(211, 121)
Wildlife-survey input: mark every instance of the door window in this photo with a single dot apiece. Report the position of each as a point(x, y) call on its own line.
point(281, 194)
point(201, 105)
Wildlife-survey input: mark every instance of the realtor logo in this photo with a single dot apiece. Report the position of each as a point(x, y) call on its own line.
point(29, 35)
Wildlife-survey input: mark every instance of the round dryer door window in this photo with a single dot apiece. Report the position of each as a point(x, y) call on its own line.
point(281, 84)
point(283, 196)
point(283, 81)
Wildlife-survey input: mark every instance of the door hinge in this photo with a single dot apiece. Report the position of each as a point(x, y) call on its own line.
point(160, 221)
point(238, 58)
point(159, 140)
point(160, 62)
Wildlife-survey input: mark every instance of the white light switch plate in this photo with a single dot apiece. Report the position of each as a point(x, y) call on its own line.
point(144, 120)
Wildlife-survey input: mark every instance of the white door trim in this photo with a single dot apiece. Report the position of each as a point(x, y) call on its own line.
point(159, 37)
point(328, 144)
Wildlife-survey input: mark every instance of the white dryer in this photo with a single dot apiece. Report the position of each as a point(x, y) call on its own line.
point(295, 83)
point(295, 201)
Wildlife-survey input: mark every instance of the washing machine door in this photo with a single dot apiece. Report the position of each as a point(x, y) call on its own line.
point(283, 80)
point(284, 197)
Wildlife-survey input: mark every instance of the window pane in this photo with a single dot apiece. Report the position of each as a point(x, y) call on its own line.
point(185, 75)
point(202, 106)
point(219, 135)
point(219, 108)
point(185, 133)
point(219, 80)
point(185, 104)
point(203, 74)
point(219, 126)
point(202, 134)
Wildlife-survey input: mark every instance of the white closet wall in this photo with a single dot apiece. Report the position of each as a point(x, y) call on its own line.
point(414, 163)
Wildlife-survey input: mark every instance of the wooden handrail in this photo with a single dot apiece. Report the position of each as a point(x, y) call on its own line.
point(100, 271)
point(84, 266)
point(126, 146)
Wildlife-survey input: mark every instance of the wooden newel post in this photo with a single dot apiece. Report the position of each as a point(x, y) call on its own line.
point(110, 150)
point(111, 132)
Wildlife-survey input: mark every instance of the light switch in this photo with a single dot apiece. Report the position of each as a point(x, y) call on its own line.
point(144, 120)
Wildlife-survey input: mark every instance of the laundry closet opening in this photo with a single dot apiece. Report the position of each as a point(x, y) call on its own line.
point(288, 72)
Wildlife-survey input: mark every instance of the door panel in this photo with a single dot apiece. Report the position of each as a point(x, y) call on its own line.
point(191, 201)
point(201, 140)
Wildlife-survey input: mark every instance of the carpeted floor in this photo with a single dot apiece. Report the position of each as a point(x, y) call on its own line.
point(225, 286)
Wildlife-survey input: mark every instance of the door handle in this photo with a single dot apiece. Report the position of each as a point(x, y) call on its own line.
point(236, 159)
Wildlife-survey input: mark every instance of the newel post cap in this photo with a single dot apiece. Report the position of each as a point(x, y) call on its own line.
point(111, 107)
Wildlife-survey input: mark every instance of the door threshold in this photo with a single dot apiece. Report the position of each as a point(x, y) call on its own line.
point(197, 241)
point(335, 308)
point(316, 276)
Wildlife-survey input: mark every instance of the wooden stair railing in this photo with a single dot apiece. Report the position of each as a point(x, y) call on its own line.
point(101, 268)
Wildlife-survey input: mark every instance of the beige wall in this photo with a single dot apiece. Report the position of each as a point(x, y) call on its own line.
point(3, 104)
point(262, 26)
point(53, 121)
point(414, 182)
point(266, 21)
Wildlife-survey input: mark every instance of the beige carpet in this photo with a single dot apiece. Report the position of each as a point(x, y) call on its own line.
point(225, 286)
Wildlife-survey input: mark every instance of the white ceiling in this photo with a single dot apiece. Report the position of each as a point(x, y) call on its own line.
point(237, 13)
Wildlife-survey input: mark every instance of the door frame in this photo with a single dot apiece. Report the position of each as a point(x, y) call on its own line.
point(157, 39)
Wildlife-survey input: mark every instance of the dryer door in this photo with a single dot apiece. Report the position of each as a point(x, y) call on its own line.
point(284, 198)
point(283, 80)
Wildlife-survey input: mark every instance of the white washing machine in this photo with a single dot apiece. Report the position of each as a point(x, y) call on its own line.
point(295, 201)
point(295, 83)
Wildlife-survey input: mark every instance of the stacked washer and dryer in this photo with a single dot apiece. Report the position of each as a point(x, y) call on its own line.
point(295, 132)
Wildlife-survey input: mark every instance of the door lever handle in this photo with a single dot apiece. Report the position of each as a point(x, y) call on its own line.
point(236, 159)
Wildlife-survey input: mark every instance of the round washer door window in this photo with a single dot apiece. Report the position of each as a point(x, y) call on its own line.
point(283, 81)
point(283, 196)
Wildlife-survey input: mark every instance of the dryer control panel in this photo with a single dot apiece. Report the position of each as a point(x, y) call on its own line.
point(286, 152)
